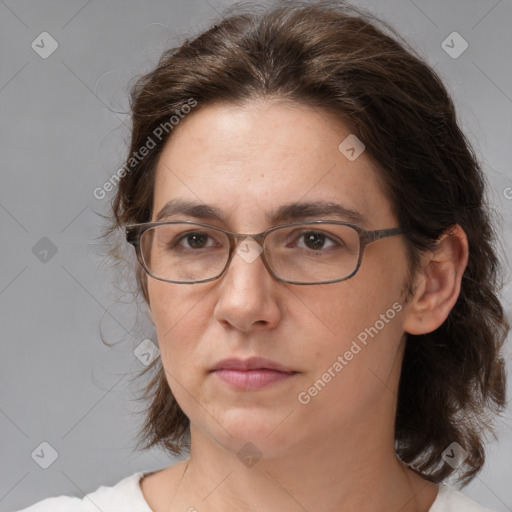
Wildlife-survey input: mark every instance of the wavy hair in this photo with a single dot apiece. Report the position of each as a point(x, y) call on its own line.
point(357, 68)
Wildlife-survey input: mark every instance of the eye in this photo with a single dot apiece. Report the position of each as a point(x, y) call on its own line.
point(315, 240)
point(193, 239)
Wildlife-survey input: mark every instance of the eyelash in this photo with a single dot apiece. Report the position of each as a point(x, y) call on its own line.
point(184, 236)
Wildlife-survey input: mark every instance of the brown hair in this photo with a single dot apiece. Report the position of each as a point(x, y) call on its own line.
point(355, 67)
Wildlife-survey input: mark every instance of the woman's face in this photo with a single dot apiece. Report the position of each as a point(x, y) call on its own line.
point(343, 339)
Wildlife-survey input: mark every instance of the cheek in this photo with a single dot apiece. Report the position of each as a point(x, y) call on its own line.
point(171, 305)
point(355, 348)
point(358, 319)
point(176, 324)
point(343, 310)
point(178, 330)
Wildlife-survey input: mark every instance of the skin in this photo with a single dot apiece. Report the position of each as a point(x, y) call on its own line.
point(337, 452)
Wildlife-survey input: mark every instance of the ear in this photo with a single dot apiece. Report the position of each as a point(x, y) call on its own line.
point(438, 283)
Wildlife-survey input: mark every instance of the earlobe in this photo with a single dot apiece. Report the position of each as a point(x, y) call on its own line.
point(438, 283)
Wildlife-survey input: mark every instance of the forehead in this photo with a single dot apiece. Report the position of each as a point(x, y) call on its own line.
point(248, 162)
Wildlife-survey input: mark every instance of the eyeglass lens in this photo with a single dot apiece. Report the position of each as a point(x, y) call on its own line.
point(305, 253)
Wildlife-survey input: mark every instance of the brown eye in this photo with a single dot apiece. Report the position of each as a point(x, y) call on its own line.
point(195, 240)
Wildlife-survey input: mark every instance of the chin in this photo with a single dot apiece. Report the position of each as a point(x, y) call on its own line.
point(257, 434)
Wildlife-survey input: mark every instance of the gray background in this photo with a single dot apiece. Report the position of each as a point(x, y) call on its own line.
point(63, 133)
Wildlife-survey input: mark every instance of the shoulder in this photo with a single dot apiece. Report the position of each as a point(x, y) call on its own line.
point(126, 495)
point(450, 499)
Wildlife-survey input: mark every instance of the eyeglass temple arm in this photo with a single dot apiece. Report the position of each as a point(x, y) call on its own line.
point(132, 233)
point(379, 234)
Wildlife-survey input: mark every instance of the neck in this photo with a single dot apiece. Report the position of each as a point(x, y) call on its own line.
point(340, 474)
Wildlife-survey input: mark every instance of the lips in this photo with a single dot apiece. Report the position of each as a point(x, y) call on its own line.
point(252, 380)
point(253, 363)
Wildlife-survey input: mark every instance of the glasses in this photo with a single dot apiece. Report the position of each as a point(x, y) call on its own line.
point(317, 252)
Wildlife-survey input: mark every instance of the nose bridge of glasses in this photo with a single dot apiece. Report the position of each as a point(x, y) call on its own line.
point(242, 247)
point(238, 238)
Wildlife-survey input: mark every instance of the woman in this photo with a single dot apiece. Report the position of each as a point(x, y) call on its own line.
point(316, 255)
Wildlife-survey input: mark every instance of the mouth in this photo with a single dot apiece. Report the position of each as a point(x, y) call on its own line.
point(253, 379)
point(253, 363)
point(253, 373)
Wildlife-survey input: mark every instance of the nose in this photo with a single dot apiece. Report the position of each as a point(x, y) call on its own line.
point(248, 294)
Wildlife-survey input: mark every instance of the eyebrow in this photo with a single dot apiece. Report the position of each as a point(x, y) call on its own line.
point(285, 213)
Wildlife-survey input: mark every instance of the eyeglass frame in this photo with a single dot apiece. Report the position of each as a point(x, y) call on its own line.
point(135, 231)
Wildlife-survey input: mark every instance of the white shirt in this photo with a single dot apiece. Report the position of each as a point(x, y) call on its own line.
point(126, 496)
